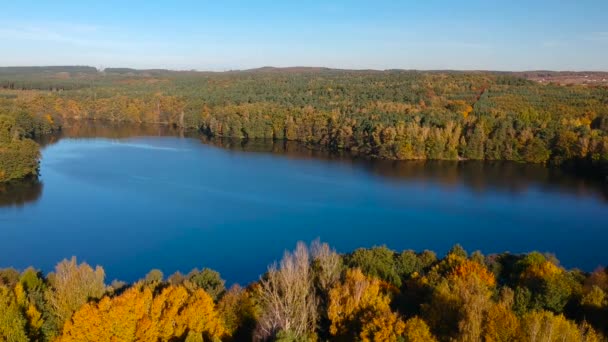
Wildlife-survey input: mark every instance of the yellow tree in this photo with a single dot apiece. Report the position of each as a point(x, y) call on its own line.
point(360, 307)
point(501, 324)
point(137, 315)
point(547, 327)
point(462, 296)
point(416, 330)
point(473, 284)
point(33, 316)
point(12, 322)
point(114, 319)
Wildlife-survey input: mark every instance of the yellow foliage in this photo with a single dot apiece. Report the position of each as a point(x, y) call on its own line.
point(501, 324)
point(545, 326)
point(416, 330)
point(20, 295)
point(469, 268)
point(49, 119)
point(544, 270)
point(359, 307)
point(137, 315)
point(34, 318)
point(12, 322)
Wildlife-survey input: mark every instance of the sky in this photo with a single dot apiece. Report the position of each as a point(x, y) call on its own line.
point(376, 34)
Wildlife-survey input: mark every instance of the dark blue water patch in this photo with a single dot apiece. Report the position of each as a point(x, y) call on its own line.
point(134, 204)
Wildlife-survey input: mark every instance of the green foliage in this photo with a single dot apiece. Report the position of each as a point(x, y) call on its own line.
point(458, 251)
point(18, 155)
point(377, 262)
point(392, 114)
point(208, 280)
point(453, 298)
point(12, 322)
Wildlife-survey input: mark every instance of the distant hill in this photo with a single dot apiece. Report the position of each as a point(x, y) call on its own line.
point(32, 70)
point(540, 76)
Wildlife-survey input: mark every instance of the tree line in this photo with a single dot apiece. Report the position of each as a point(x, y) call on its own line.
point(314, 294)
point(392, 114)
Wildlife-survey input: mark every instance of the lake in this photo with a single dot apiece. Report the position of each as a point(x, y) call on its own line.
point(134, 198)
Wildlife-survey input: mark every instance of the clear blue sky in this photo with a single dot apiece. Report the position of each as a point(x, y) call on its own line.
point(220, 35)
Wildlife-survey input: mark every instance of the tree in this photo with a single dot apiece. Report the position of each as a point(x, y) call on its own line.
point(138, 315)
point(359, 308)
point(237, 310)
point(475, 143)
point(536, 151)
point(549, 284)
point(12, 322)
point(416, 330)
point(287, 297)
point(595, 298)
point(18, 156)
point(474, 291)
point(71, 286)
point(461, 299)
point(545, 326)
point(327, 265)
point(154, 276)
point(208, 280)
point(500, 323)
point(377, 262)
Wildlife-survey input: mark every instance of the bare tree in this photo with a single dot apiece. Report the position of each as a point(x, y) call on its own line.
point(288, 297)
point(327, 265)
point(72, 286)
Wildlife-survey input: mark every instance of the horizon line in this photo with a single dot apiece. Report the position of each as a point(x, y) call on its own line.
point(269, 67)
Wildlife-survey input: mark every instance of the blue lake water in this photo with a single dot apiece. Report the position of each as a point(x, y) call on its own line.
point(132, 204)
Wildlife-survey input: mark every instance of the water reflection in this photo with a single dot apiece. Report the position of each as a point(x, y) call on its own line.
point(19, 193)
point(478, 175)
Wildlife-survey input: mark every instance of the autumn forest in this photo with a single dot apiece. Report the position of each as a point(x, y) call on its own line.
point(401, 115)
point(314, 294)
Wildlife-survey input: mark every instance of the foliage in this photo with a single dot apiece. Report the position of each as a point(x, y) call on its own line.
point(208, 280)
point(545, 326)
point(287, 296)
point(360, 308)
point(391, 114)
point(139, 315)
point(312, 296)
point(416, 330)
point(71, 286)
point(376, 262)
point(12, 322)
point(18, 155)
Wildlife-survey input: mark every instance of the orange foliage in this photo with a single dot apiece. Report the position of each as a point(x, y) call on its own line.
point(469, 268)
point(137, 315)
point(359, 307)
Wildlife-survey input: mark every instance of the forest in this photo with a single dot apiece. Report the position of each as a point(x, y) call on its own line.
point(316, 294)
point(19, 154)
point(394, 114)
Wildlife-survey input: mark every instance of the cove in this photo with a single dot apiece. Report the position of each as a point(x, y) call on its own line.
point(134, 198)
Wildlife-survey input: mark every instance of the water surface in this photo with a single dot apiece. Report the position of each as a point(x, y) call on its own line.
point(146, 198)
